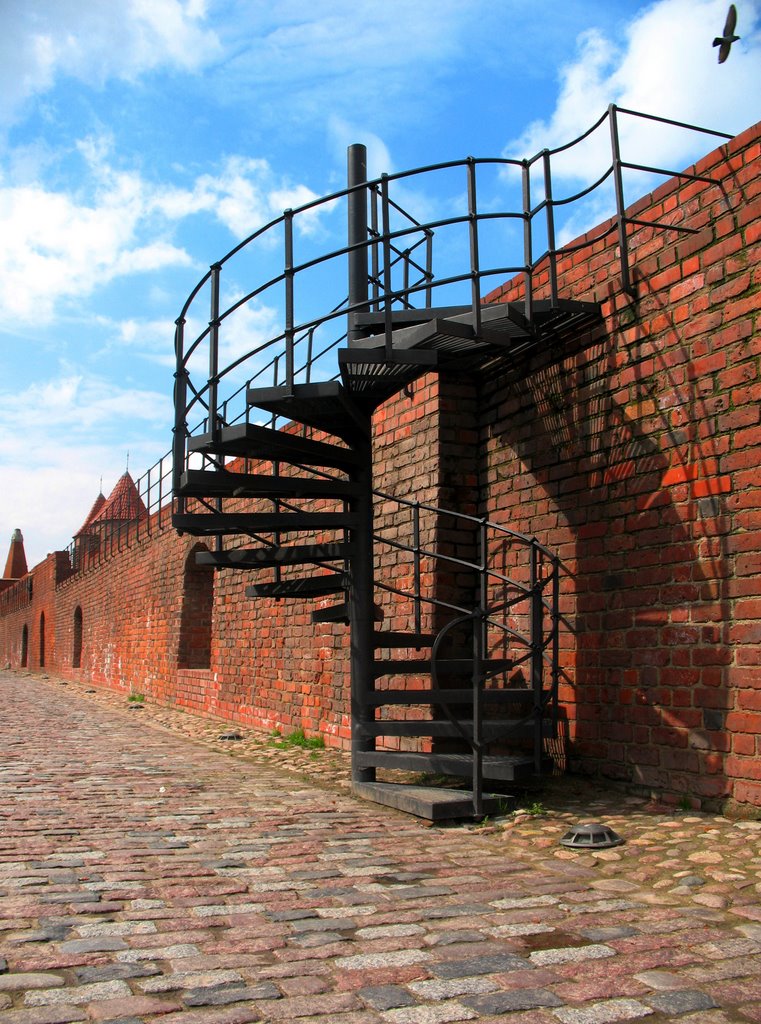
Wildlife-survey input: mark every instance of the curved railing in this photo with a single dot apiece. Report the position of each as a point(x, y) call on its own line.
point(274, 309)
point(509, 605)
point(291, 342)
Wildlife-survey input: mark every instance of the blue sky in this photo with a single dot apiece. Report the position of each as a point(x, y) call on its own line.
point(139, 141)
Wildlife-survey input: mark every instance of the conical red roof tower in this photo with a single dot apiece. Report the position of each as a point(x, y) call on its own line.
point(98, 504)
point(15, 566)
point(123, 504)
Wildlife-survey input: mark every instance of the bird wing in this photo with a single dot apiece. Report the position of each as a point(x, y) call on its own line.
point(731, 22)
point(724, 49)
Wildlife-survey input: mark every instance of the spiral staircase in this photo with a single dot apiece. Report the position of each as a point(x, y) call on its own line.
point(278, 473)
point(424, 700)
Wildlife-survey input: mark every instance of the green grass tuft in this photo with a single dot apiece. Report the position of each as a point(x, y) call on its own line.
point(297, 738)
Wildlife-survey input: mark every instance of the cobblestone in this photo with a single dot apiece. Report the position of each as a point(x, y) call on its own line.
point(684, 1001)
point(153, 874)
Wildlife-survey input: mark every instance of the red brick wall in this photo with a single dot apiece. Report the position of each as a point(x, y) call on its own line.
point(635, 458)
point(269, 665)
point(28, 603)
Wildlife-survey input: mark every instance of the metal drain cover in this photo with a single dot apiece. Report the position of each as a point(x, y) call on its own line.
point(591, 837)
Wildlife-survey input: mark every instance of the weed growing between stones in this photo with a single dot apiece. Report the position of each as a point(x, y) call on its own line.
point(297, 738)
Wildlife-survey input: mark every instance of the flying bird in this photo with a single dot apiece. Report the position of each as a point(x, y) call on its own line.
point(724, 41)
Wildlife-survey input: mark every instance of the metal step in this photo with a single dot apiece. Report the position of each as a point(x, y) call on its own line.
point(201, 483)
point(390, 640)
point(324, 405)
point(502, 324)
point(308, 586)
point(274, 557)
point(411, 698)
point(374, 321)
point(250, 440)
point(340, 613)
point(445, 666)
point(440, 728)
point(509, 768)
point(333, 613)
point(370, 374)
point(207, 524)
point(431, 802)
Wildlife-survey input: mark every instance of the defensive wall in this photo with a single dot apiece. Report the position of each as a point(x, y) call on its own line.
point(635, 456)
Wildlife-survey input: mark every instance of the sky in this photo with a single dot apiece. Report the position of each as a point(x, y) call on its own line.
point(140, 141)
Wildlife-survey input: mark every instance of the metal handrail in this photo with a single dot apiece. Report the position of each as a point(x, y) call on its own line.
point(386, 249)
point(192, 393)
point(538, 640)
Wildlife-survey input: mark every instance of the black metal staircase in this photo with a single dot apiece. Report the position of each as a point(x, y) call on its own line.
point(418, 705)
point(279, 472)
point(410, 687)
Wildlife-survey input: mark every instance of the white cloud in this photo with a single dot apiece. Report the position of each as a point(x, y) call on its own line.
point(245, 194)
point(94, 41)
point(52, 464)
point(150, 339)
point(53, 247)
point(665, 66)
point(344, 134)
point(63, 245)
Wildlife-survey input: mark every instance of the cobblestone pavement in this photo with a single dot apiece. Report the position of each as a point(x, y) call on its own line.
point(148, 874)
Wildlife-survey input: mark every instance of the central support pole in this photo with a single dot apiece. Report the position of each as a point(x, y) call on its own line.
point(356, 160)
point(362, 613)
point(361, 595)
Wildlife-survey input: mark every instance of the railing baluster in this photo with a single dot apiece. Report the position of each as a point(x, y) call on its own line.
point(180, 404)
point(374, 261)
point(618, 182)
point(161, 493)
point(416, 567)
point(528, 257)
point(477, 680)
point(387, 284)
point(537, 658)
point(429, 267)
point(552, 255)
point(310, 342)
point(475, 277)
point(216, 270)
point(289, 319)
point(483, 572)
point(356, 159)
point(555, 626)
point(148, 502)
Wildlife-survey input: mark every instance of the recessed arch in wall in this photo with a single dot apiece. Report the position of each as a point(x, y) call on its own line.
point(76, 657)
point(42, 639)
point(25, 646)
point(196, 618)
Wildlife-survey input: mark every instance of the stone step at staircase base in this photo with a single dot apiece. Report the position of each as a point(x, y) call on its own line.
point(431, 802)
